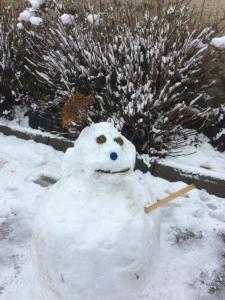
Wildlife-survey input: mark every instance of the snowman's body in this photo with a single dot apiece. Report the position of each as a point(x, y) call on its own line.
point(92, 239)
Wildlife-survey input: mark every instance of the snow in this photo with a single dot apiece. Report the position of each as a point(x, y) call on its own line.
point(201, 159)
point(22, 125)
point(190, 264)
point(25, 15)
point(220, 134)
point(67, 19)
point(218, 42)
point(36, 3)
point(20, 25)
point(93, 19)
point(90, 150)
point(20, 164)
point(28, 15)
point(36, 21)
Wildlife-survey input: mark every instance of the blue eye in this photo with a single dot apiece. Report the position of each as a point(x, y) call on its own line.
point(113, 156)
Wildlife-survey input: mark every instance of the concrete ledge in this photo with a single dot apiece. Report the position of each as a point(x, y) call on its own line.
point(210, 184)
point(56, 143)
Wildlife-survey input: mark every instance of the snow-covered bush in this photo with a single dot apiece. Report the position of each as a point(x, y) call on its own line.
point(33, 14)
point(145, 71)
point(12, 52)
point(215, 127)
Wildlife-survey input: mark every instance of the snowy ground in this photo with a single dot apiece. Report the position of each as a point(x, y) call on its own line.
point(199, 158)
point(191, 264)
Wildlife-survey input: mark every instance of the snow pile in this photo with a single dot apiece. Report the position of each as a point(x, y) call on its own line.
point(92, 237)
point(218, 42)
point(67, 19)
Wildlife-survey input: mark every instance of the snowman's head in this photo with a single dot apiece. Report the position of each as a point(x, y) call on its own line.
point(100, 151)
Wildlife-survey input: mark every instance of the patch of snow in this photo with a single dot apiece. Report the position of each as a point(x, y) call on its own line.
point(25, 15)
point(202, 170)
point(36, 21)
point(60, 6)
point(218, 42)
point(93, 19)
point(20, 25)
point(22, 125)
point(19, 116)
point(67, 19)
point(44, 76)
point(219, 134)
point(201, 159)
point(36, 3)
point(147, 160)
point(6, 112)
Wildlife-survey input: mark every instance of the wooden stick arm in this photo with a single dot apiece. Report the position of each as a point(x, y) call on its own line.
point(170, 198)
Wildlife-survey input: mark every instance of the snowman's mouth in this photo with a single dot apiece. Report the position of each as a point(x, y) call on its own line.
point(113, 172)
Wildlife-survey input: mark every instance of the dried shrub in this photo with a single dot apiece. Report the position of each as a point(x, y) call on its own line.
point(75, 110)
point(187, 235)
point(223, 237)
point(214, 281)
point(218, 282)
point(215, 126)
point(147, 67)
point(145, 73)
point(12, 53)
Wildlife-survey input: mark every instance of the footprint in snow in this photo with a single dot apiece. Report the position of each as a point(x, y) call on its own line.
point(3, 163)
point(212, 206)
point(204, 196)
point(220, 216)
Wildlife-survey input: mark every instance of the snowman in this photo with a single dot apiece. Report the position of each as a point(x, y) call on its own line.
point(92, 239)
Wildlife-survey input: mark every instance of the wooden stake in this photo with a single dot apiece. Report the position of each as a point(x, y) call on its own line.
point(169, 198)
